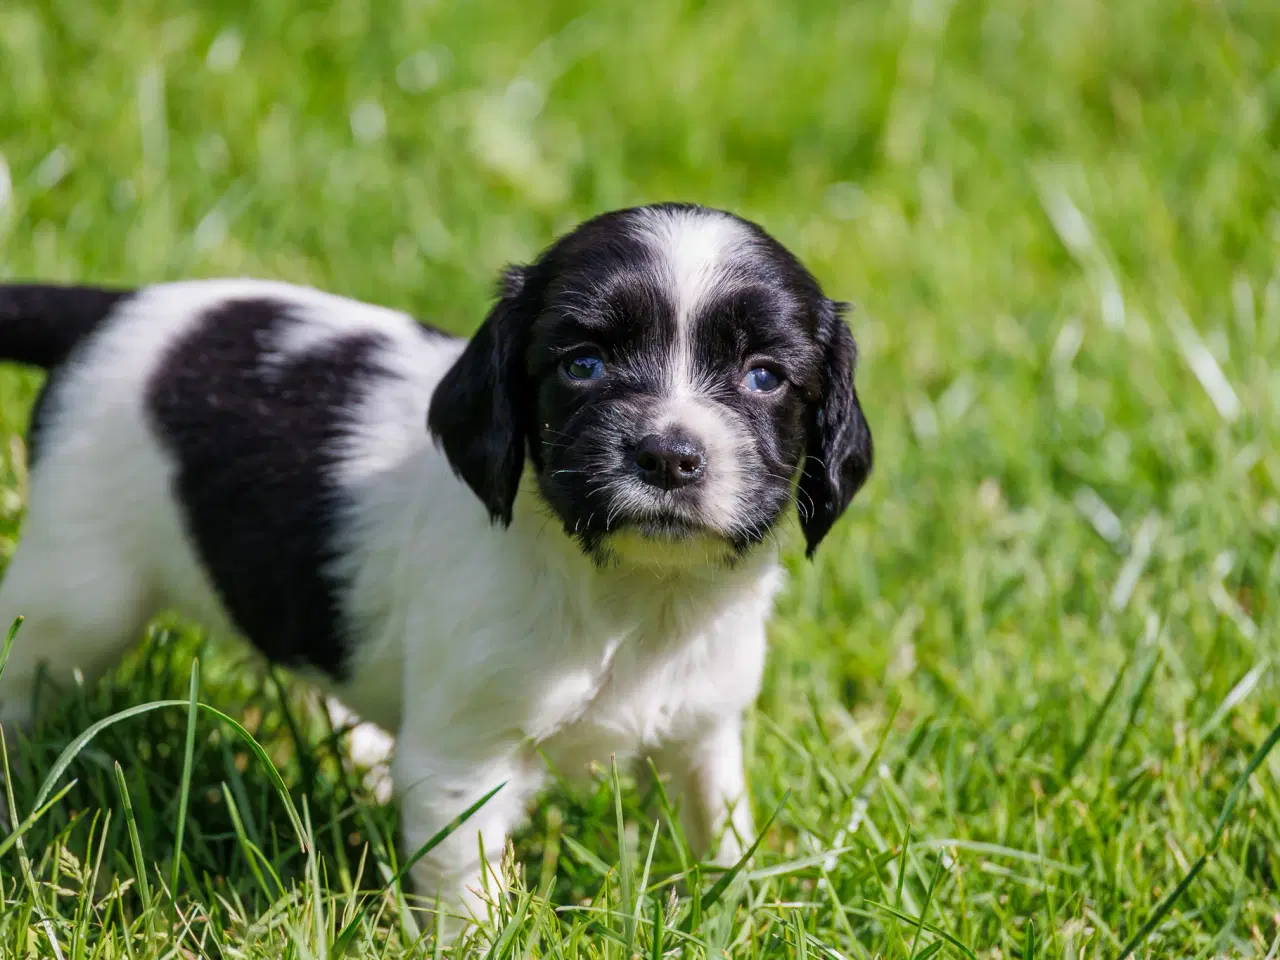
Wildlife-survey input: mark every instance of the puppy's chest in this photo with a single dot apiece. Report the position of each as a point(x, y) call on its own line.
point(654, 685)
point(627, 697)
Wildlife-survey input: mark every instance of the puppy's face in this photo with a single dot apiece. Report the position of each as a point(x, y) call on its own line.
point(676, 378)
point(673, 357)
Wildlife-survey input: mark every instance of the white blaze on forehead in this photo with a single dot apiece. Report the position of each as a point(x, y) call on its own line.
point(697, 252)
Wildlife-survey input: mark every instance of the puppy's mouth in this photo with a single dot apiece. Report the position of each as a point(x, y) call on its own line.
point(665, 541)
point(669, 528)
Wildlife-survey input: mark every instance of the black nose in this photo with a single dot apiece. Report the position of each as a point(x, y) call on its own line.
point(670, 461)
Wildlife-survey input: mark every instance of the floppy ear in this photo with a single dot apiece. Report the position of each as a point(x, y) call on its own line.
point(839, 454)
point(477, 409)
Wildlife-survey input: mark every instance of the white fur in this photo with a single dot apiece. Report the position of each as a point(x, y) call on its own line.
point(697, 251)
point(479, 646)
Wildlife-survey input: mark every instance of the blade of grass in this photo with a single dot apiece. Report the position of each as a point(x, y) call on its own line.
point(96, 872)
point(586, 856)
point(902, 875)
point(184, 793)
point(801, 863)
point(250, 849)
point(694, 920)
point(135, 844)
point(800, 934)
point(644, 876)
point(315, 885)
point(8, 643)
point(624, 862)
point(928, 898)
point(655, 952)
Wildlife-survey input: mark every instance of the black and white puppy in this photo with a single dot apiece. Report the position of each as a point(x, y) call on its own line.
point(554, 537)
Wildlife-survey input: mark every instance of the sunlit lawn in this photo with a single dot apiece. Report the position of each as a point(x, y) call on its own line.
point(1006, 706)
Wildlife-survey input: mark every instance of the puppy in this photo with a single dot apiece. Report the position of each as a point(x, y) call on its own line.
point(555, 538)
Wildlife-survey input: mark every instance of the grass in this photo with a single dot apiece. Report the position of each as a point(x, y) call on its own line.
point(1029, 682)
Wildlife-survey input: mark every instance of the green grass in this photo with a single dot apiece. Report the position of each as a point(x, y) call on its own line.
point(1006, 707)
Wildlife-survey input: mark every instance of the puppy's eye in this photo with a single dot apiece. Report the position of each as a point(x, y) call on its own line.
point(761, 380)
point(584, 367)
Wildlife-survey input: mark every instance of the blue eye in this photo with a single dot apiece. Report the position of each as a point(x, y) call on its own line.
point(585, 367)
point(761, 380)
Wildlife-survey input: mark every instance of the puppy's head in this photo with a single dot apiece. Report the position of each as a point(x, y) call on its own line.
point(676, 379)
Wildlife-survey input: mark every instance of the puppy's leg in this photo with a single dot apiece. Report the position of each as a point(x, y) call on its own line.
point(709, 778)
point(82, 606)
point(434, 790)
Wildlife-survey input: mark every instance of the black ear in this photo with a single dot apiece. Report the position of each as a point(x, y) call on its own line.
point(478, 410)
point(838, 458)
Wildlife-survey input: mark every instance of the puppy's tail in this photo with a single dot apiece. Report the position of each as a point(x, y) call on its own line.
point(40, 324)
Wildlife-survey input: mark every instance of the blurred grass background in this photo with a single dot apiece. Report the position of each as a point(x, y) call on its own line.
point(1053, 605)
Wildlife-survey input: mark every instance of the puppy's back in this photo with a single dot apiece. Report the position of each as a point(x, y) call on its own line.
point(195, 448)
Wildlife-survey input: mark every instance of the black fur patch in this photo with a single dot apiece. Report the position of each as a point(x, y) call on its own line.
point(40, 325)
point(253, 434)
